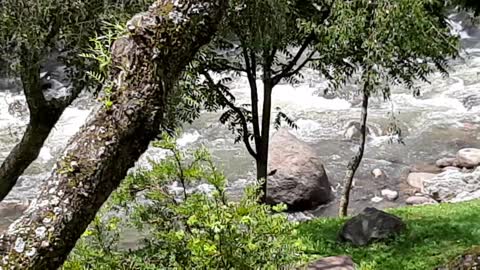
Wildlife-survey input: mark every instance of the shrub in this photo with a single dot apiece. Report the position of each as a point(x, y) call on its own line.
point(190, 230)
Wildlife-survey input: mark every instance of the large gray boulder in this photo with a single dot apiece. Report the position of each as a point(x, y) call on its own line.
point(297, 176)
point(370, 225)
point(454, 186)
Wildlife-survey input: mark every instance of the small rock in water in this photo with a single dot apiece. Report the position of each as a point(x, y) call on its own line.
point(446, 162)
point(391, 195)
point(376, 199)
point(332, 263)
point(371, 224)
point(468, 157)
point(419, 200)
point(377, 173)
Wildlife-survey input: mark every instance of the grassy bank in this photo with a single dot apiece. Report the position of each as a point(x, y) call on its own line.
point(435, 234)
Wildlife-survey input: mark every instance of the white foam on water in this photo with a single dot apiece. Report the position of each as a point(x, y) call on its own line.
point(188, 138)
point(407, 101)
point(45, 154)
point(299, 98)
point(456, 28)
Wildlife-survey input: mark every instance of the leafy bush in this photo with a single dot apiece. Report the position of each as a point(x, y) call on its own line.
point(190, 229)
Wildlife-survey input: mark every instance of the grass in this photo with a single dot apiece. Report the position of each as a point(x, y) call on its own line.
point(435, 235)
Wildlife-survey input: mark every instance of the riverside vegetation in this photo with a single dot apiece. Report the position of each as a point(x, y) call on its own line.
point(155, 72)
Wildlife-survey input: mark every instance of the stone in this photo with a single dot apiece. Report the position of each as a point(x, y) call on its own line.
point(332, 263)
point(297, 176)
point(446, 162)
point(377, 173)
point(390, 195)
point(452, 186)
point(425, 168)
point(300, 216)
point(416, 179)
point(370, 225)
point(450, 168)
point(420, 200)
point(376, 199)
point(352, 131)
point(468, 157)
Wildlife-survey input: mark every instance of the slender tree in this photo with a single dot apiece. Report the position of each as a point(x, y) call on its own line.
point(382, 44)
point(146, 65)
point(256, 41)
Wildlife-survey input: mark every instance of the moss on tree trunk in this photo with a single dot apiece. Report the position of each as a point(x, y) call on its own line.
point(147, 62)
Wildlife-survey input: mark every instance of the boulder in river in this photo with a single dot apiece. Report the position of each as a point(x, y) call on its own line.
point(468, 157)
point(416, 179)
point(454, 186)
point(372, 224)
point(352, 130)
point(446, 162)
point(299, 179)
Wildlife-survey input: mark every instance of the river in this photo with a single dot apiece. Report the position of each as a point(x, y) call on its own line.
point(443, 119)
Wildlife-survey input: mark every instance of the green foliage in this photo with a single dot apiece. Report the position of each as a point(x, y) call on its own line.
point(191, 230)
point(99, 52)
point(31, 31)
point(435, 235)
point(386, 42)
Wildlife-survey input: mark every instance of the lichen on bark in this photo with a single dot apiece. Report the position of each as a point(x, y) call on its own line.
point(146, 65)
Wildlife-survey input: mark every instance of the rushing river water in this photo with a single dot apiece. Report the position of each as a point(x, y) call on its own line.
point(444, 118)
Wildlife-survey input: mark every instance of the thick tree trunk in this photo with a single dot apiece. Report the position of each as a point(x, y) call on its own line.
point(355, 162)
point(147, 64)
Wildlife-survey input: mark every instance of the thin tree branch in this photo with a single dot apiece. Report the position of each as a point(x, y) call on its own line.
point(277, 78)
point(302, 65)
point(252, 80)
point(237, 110)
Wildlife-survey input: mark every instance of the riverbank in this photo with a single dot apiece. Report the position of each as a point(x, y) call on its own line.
point(435, 235)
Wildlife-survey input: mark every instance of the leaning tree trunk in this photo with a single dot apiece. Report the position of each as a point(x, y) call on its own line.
point(44, 114)
point(355, 162)
point(147, 63)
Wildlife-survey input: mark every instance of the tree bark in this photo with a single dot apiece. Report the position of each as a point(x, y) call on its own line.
point(147, 63)
point(355, 162)
point(262, 149)
point(44, 114)
point(25, 152)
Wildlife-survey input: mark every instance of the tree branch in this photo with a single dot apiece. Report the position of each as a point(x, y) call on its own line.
point(237, 110)
point(100, 154)
point(277, 78)
point(252, 81)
